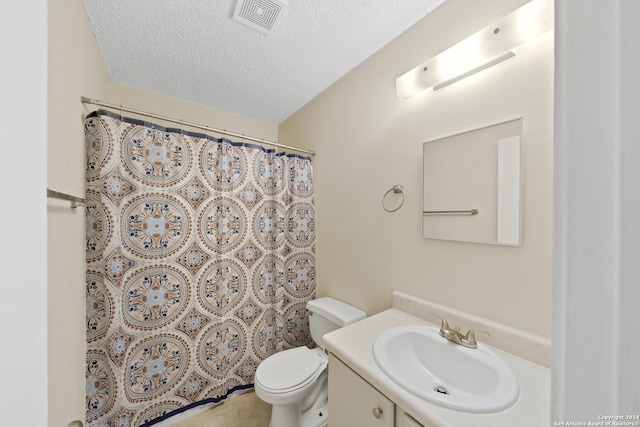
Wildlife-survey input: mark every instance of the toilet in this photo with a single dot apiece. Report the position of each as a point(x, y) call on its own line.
point(294, 381)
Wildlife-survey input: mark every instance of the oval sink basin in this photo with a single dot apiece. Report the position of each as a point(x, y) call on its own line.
point(429, 366)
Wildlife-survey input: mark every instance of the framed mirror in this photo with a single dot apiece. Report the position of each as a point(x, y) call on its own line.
point(472, 189)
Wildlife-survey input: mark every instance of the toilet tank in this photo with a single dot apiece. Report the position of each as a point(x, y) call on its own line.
point(327, 314)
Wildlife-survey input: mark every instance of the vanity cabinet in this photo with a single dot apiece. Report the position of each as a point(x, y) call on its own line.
point(353, 402)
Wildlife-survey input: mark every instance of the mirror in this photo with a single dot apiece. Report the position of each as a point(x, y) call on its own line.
point(472, 186)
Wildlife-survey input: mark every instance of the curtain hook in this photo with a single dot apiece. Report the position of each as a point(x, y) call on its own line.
point(153, 126)
point(222, 145)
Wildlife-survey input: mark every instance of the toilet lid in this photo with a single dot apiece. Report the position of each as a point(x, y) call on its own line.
point(288, 369)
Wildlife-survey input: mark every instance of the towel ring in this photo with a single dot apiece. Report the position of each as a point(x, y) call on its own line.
point(396, 189)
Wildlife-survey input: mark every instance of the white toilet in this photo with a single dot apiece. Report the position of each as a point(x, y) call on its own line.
point(294, 381)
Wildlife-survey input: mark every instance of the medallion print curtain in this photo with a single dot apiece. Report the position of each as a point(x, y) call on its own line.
point(200, 261)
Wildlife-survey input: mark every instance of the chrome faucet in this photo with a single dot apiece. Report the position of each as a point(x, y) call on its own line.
point(455, 336)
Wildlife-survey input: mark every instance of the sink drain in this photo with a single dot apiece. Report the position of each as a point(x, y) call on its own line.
point(441, 389)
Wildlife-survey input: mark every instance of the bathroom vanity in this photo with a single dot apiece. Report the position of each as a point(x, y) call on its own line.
point(362, 395)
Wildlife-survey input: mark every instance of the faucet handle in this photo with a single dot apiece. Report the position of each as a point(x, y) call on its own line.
point(469, 340)
point(443, 322)
point(452, 334)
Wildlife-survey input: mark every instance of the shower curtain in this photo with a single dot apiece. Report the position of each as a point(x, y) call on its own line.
point(200, 261)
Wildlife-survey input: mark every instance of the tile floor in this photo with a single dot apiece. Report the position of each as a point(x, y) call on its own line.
point(245, 410)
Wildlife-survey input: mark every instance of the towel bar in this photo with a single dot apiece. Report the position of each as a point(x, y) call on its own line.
point(75, 201)
point(470, 212)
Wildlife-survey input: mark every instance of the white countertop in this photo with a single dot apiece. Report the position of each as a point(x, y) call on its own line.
point(353, 345)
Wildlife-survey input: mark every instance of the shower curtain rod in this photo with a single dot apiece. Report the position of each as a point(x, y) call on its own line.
point(96, 102)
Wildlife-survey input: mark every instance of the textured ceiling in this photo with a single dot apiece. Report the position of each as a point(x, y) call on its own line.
point(193, 50)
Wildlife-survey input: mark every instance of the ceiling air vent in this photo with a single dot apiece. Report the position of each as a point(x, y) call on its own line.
point(261, 15)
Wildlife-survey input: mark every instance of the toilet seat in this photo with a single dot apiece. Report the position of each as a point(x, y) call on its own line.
point(290, 370)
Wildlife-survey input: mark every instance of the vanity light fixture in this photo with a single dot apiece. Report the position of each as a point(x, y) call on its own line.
point(484, 49)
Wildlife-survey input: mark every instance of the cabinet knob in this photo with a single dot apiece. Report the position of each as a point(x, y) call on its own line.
point(377, 412)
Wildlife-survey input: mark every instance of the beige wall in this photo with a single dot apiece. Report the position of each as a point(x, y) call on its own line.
point(76, 69)
point(368, 139)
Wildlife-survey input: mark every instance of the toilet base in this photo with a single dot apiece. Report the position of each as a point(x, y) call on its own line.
point(290, 416)
point(312, 411)
point(316, 417)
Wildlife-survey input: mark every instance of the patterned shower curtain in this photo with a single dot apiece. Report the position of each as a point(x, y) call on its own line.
point(200, 260)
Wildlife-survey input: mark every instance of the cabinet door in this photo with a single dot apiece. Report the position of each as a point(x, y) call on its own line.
point(353, 402)
point(405, 420)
